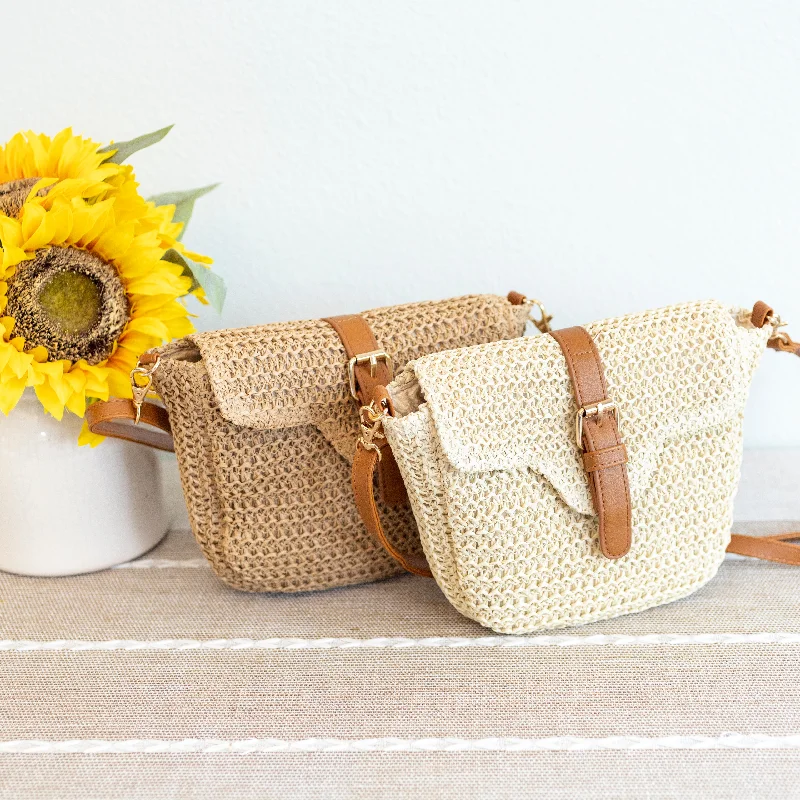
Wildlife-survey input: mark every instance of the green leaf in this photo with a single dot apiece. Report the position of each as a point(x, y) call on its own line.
point(183, 202)
point(126, 149)
point(202, 276)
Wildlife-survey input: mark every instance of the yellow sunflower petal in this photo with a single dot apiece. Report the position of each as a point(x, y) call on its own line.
point(86, 437)
point(49, 398)
point(11, 389)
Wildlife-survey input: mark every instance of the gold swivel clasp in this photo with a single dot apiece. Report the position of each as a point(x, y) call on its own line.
point(141, 390)
point(542, 322)
point(371, 420)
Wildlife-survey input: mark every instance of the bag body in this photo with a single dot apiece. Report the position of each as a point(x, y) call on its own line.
point(264, 429)
point(485, 438)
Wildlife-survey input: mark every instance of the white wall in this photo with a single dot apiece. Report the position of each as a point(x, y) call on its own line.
point(604, 156)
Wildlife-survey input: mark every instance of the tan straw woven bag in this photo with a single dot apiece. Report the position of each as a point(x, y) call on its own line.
point(265, 424)
point(562, 479)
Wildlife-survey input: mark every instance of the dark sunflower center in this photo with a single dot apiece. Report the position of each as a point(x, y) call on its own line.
point(13, 194)
point(72, 301)
point(69, 301)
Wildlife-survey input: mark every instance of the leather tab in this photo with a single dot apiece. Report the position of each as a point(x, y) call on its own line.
point(357, 338)
point(115, 418)
point(761, 313)
point(604, 455)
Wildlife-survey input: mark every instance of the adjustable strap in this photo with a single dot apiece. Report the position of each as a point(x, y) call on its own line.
point(604, 458)
point(369, 367)
point(372, 449)
point(126, 419)
point(369, 454)
point(769, 548)
point(597, 432)
point(117, 418)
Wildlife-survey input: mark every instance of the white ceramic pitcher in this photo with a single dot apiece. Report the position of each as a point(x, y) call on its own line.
point(69, 509)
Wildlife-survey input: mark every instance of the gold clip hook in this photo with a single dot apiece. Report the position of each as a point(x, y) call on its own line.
point(544, 320)
point(371, 427)
point(141, 390)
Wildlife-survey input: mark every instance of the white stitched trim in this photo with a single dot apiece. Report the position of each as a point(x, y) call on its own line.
point(198, 563)
point(163, 563)
point(727, 741)
point(402, 643)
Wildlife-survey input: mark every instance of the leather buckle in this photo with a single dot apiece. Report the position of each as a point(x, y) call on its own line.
point(372, 359)
point(592, 411)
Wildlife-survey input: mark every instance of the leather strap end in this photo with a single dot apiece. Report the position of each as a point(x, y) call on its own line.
point(784, 345)
point(390, 481)
point(115, 418)
point(365, 464)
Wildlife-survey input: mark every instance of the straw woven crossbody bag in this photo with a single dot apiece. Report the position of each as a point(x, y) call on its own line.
point(265, 422)
point(577, 476)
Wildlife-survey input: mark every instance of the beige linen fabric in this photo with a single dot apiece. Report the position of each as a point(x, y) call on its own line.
point(710, 775)
point(265, 430)
point(705, 688)
point(485, 440)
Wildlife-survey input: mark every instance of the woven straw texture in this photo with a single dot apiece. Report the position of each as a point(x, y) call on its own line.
point(265, 430)
point(485, 440)
point(695, 700)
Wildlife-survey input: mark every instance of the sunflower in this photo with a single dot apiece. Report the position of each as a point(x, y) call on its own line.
point(93, 171)
point(28, 156)
point(91, 273)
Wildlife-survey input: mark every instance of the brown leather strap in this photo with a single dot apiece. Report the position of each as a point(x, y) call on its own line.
point(605, 456)
point(782, 342)
point(115, 418)
point(769, 548)
point(364, 465)
point(358, 339)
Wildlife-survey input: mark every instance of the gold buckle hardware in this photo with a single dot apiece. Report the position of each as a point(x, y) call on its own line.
point(372, 359)
point(140, 391)
point(371, 421)
point(544, 320)
point(592, 411)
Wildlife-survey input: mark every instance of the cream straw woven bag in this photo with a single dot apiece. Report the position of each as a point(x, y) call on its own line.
point(265, 422)
point(526, 527)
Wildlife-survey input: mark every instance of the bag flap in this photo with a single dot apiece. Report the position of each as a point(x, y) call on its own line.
point(295, 373)
point(510, 405)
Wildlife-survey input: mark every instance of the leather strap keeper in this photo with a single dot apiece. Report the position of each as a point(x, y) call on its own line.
point(605, 459)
